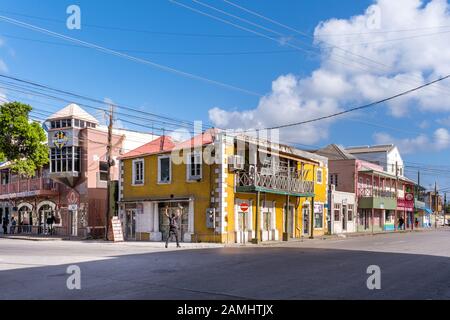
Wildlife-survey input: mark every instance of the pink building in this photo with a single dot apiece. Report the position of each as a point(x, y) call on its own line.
point(383, 199)
point(73, 186)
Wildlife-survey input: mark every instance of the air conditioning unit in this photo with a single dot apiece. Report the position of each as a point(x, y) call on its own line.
point(236, 163)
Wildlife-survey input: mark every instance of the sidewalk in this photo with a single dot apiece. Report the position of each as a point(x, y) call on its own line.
point(32, 237)
point(161, 245)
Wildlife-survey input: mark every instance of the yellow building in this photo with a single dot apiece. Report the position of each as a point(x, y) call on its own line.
point(227, 187)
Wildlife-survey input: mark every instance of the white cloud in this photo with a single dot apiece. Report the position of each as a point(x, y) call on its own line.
point(378, 67)
point(422, 143)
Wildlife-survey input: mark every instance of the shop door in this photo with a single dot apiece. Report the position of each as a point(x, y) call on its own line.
point(183, 220)
point(306, 221)
point(130, 224)
point(344, 218)
point(289, 215)
point(73, 222)
point(242, 226)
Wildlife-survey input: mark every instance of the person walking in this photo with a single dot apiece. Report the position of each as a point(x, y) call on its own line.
point(13, 225)
point(173, 225)
point(5, 223)
point(401, 223)
point(50, 221)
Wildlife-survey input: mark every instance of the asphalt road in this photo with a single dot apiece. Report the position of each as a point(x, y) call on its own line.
point(413, 266)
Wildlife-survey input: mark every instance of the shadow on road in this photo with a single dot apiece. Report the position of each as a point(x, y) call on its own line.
point(236, 273)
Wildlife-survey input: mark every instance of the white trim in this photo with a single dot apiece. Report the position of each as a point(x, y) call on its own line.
point(321, 176)
point(133, 170)
point(190, 178)
point(159, 170)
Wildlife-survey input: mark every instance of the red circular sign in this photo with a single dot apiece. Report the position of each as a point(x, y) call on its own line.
point(244, 207)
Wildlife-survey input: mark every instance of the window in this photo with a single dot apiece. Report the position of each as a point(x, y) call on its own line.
point(334, 179)
point(103, 167)
point(66, 159)
point(82, 124)
point(318, 216)
point(138, 172)
point(194, 166)
point(337, 212)
point(5, 178)
point(164, 169)
point(76, 123)
point(350, 210)
point(319, 176)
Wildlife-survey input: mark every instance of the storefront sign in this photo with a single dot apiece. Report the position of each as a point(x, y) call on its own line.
point(407, 203)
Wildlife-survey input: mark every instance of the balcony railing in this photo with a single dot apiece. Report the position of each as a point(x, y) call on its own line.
point(254, 178)
point(377, 193)
point(30, 185)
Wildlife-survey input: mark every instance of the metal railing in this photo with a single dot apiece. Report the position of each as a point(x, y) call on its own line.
point(27, 185)
point(273, 181)
point(369, 192)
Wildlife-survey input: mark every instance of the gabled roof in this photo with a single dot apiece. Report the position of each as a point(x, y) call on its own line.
point(73, 111)
point(203, 139)
point(335, 152)
point(370, 149)
point(161, 145)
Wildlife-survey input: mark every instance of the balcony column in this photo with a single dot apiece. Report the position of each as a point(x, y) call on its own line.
point(286, 219)
point(311, 218)
point(256, 240)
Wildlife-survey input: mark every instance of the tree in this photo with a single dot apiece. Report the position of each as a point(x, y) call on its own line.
point(22, 142)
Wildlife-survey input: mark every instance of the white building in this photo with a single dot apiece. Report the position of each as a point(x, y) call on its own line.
point(342, 212)
point(387, 156)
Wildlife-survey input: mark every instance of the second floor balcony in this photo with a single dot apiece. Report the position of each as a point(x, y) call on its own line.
point(260, 179)
point(28, 188)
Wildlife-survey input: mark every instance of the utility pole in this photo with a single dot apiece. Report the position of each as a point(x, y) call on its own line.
point(110, 165)
point(435, 204)
point(445, 206)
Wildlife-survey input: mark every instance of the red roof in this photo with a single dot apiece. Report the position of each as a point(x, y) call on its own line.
point(160, 145)
point(165, 144)
point(203, 139)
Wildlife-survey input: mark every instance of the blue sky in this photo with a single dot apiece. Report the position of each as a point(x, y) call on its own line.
point(413, 125)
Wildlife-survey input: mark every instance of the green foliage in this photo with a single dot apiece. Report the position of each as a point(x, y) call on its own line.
point(22, 142)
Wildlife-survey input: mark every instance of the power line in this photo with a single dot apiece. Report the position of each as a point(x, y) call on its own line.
point(126, 56)
point(173, 53)
point(135, 30)
point(386, 67)
point(352, 109)
point(95, 100)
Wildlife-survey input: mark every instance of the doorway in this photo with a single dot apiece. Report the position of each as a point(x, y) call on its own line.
point(306, 220)
point(242, 226)
point(183, 220)
point(344, 217)
point(289, 219)
point(130, 224)
point(73, 219)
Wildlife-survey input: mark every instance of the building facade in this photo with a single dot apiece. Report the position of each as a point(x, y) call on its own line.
point(73, 186)
point(229, 189)
point(383, 200)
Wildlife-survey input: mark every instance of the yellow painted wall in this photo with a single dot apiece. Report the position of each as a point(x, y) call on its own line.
point(201, 192)
point(179, 188)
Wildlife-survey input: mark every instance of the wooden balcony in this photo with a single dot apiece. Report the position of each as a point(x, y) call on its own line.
point(254, 180)
point(28, 188)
